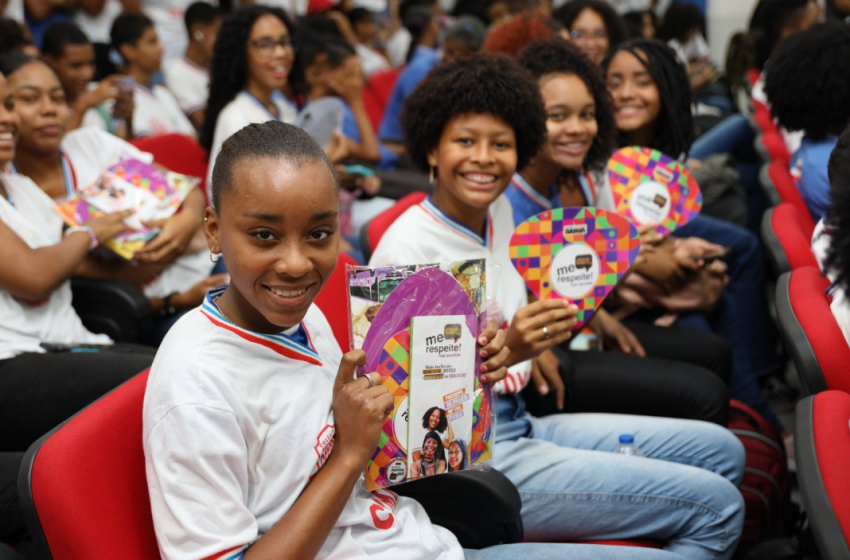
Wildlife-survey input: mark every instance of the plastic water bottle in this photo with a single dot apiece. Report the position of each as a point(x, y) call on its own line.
point(627, 446)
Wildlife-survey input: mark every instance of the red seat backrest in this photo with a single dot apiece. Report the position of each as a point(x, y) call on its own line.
point(794, 235)
point(830, 416)
point(810, 304)
point(776, 147)
point(782, 180)
point(333, 301)
point(88, 481)
point(374, 107)
point(763, 118)
point(382, 83)
point(179, 153)
point(753, 76)
point(378, 226)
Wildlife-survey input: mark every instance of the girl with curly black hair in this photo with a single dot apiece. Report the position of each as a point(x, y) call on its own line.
point(650, 92)
point(807, 86)
point(251, 64)
point(593, 25)
point(831, 238)
point(472, 123)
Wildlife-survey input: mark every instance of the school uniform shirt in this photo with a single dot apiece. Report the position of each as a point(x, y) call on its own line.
point(236, 423)
point(840, 306)
point(245, 109)
point(97, 27)
point(420, 64)
point(425, 234)
point(351, 130)
point(156, 112)
point(371, 60)
point(89, 152)
point(189, 83)
point(14, 10)
point(527, 202)
point(809, 170)
point(25, 324)
point(167, 16)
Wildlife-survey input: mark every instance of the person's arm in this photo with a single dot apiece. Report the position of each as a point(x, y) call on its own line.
point(197, 118)
point(525, 337)
point(107, 89)
point(41, 9)
point(359, 414)
point(347, 82)
point(414, 469)
point(38, 272)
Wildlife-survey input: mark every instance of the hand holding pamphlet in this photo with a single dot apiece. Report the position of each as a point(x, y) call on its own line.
point(129, 185)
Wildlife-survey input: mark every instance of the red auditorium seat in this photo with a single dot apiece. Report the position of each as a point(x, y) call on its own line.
point(371, 233)
point(179, 153)
point(775, 147)
point(763, 118)
point(333, 301)
point(822, 444)
point(787, 238)
point(753, 76)
point(780, 187)
point(382, 83)
point(83, 487)
point(811, 334)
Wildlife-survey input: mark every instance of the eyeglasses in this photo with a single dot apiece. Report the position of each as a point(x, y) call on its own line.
point(266, 46)
point(598, 35)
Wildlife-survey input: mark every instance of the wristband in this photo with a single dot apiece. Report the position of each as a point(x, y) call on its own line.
point(93, 242)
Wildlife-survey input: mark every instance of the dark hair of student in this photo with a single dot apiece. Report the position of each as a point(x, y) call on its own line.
point(416, 20)
point(558, 56)
point(201, 12)
point(838, 258)
point(128, 28)
point(12, 36)
point(358, 15)
point(228, 68)
point(614, 26)
point(768, 19)
point(59, 35)
point(441, 425)
point(808, 80)
point(272, 139)
point(14, 61)
point(680, 19)
point(675, 130)
point(456, 88)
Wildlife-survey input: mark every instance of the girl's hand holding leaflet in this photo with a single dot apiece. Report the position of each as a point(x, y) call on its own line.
point(493, 349)
point(539, 326)
point(359, 411)
point(109, 225)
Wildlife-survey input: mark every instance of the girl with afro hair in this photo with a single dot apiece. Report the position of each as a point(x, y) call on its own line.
point(472, 124)
point(570, 171)
point(807, 86)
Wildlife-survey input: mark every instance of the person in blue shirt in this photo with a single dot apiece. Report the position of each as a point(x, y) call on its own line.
point(807, 85)
point(463, 38)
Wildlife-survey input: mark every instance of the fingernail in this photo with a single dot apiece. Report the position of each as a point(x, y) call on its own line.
point(483, 368)
point(484, 353)
point(544, 390)
point(483, 340)
point(573, 308)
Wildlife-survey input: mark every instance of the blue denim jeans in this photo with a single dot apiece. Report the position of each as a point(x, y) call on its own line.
point(741, 316)
point(682, 493)
point(554, 551)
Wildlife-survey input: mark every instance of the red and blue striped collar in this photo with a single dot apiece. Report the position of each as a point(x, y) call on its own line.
point(461, 229)
point(285, 345)
point(68, 174)
point(525, 188)
point(585, 182)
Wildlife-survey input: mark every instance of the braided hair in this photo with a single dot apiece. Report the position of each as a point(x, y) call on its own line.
point(674, 131)
point(230, 60)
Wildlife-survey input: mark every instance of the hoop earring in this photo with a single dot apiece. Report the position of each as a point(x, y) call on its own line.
point(431, 175)
point(212, 260)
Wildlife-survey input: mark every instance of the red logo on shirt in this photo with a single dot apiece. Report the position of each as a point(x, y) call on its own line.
point(324, 445)
point(383, 508)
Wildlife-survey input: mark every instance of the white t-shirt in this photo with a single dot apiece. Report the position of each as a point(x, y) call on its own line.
point(167, 16)
point(236, 424)
point(14, 10)
point(424, 234)
point(189, 83)
point(245, 109)
point(26, 324)
point(157, 112)
point(97, 27)
point(294, 8)
point(371, 60)
point(397, 47)
point(840, 306)
point(90, 152)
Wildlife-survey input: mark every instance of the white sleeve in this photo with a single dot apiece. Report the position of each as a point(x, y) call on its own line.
point(177, 116)
point(107, 148)
point(185, 93)
point(196, 463)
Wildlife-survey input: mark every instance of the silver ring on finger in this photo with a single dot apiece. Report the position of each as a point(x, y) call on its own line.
point(546, 332)
point(371, 381)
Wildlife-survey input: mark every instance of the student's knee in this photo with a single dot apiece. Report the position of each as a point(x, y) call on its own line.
point(729, 455)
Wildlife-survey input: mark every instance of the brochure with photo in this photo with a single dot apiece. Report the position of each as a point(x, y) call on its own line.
point(393, 309)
